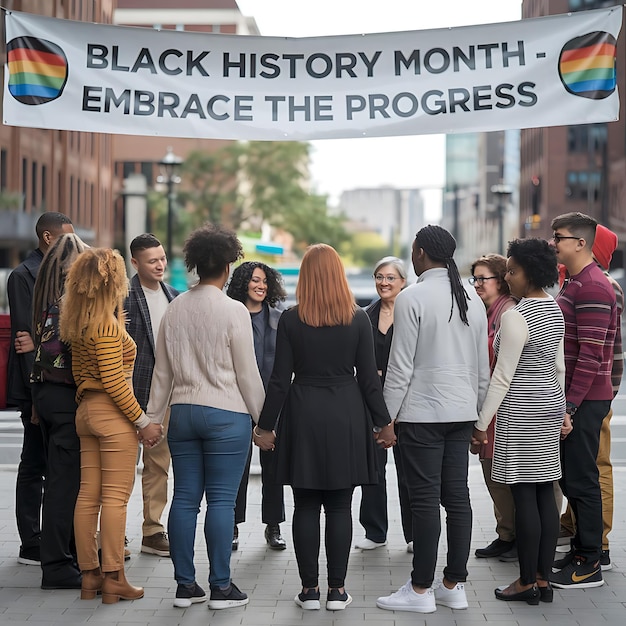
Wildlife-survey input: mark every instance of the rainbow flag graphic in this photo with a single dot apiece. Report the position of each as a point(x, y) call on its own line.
point(37, 70)
point(587, 65)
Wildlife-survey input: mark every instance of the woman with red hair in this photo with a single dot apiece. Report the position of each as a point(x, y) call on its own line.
point(324, 440)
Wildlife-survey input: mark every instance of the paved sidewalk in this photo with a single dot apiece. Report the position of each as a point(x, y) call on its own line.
point(271, 578)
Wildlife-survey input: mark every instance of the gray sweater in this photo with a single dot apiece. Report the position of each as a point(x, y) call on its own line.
point(438, 369)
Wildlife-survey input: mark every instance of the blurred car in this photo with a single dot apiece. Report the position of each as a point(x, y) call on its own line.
point(361, 284)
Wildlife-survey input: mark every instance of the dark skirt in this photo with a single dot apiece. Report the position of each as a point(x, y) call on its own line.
point(325, 438)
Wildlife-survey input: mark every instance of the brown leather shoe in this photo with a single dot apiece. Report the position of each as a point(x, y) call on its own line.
point(115, 588)
point(156, 544)
point(91, 584)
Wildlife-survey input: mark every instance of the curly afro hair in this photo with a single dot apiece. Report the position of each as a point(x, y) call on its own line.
point(538, 260)
point(238, 286)
point(210, 248)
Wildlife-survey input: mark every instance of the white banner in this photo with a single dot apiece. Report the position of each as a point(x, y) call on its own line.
point(547, 71)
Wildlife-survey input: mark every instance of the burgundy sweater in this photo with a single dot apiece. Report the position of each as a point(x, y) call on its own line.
point(588, 304)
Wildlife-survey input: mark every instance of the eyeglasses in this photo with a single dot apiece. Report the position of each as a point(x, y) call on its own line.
point(479, 280)
point(390, 278)
point(557, 238)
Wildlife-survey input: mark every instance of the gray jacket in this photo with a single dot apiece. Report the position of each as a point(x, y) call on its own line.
point(438, 369)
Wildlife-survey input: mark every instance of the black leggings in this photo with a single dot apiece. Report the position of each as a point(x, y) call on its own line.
point(536, 529)
point(306, 534)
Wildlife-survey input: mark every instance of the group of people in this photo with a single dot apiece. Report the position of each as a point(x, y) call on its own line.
point(323, 389)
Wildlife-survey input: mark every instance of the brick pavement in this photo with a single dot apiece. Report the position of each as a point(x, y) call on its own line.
point(271, 578)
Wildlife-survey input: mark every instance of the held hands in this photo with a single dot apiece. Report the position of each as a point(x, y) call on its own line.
point(23, 342)
point(568, 426)
point(151, 435)
point(264, 439)
point(386, 437)
point(479, 438)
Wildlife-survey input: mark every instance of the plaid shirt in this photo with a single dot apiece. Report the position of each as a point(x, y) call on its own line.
point(139, 328)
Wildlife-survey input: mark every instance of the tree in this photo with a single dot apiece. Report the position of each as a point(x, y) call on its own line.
point(259, 181)
point(210, 184)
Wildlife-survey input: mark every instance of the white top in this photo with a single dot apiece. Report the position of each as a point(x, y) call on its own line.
point(438, 367)
point(157, 303)
point(514, 336)
point(205, 356)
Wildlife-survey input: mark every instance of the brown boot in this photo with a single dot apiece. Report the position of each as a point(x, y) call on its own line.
point(115, 588)
point(92, 583)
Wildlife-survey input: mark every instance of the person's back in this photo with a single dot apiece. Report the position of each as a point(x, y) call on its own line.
point(436, 381)
point(326, 351)
point(445, 355)
point(32, 467)
point(196, 336)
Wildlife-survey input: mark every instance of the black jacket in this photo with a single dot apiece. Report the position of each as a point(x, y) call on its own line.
point(373, 312)
point(20, 286)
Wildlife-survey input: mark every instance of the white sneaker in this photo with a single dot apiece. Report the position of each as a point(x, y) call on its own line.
point(454, 598)
point(409, 547)
point(406, 599)
point(368, 544)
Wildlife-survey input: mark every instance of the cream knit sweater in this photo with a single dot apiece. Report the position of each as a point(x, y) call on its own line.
point(205, 356)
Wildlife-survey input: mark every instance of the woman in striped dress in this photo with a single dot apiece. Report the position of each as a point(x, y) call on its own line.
point(526, 392)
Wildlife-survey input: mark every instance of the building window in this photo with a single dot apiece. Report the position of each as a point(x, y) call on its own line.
point(589, 136)
point(71, 195)
point(44, 187)
point(33, 184)
point(129, 168)
point(583, 185)
point(147, 169)
point(24, 180)
point(3, 170)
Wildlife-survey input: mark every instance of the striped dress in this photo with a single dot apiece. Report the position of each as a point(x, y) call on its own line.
point(529, 418)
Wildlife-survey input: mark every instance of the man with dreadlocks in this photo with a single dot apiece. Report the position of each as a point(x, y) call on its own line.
point(436, 382)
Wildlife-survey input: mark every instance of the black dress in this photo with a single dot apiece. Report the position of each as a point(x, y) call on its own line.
point(324, 435)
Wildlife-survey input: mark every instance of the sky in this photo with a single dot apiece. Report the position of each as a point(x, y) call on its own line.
point(341, 164)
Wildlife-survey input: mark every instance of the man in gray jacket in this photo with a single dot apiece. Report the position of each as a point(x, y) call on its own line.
point(437, 379)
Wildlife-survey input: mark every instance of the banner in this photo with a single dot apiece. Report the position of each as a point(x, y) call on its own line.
point(547, 71)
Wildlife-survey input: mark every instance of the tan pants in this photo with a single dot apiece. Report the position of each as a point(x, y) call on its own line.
point(606, 485)
point(503, 505)
point(156, 467)
point(108, 451)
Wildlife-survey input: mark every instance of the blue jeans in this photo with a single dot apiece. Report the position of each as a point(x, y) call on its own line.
point(209, 447)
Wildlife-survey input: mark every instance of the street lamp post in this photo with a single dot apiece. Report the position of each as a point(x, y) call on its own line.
point(502, 192)
point(169, 165)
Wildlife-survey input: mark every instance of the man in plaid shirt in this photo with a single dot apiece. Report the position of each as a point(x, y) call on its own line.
point(145, 306)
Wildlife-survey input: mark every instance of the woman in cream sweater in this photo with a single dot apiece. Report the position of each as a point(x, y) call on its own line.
point(206, 371)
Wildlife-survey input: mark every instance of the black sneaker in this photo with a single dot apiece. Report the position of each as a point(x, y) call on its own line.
point(605, 561)
point(336, 601)
point(496, 548)
point(558, 565)
point(309, 601)
point(186, 595)
point(227, 598)
point(579, 574)
point(29, 556)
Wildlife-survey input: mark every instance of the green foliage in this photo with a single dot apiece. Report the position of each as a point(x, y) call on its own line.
point(365, 249)
point(259, 181)
point(10, 201)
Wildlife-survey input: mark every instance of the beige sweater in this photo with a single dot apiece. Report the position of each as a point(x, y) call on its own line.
point(205, 356)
